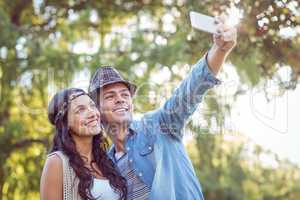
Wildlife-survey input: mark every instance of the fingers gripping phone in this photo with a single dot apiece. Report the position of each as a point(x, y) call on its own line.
point(203, 22)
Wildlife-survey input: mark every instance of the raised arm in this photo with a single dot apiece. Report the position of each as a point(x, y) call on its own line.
point(189, 94)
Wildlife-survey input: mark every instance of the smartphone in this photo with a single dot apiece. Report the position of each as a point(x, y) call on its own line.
point(203, 22)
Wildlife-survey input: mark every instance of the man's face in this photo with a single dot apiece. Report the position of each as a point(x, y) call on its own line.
point(115, 104)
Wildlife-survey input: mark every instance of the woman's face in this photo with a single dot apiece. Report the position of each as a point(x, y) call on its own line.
point(83, 116)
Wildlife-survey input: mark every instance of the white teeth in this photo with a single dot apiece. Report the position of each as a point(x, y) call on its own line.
point(120, 110)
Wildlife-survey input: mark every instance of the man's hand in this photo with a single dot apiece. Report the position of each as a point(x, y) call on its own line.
point(224, 41)
point(225, 38)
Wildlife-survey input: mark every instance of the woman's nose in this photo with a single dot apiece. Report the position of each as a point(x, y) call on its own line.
point(92, 112)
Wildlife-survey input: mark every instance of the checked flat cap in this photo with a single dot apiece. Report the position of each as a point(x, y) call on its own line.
point(107, 75)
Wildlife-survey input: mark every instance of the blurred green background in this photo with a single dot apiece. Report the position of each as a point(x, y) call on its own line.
point(46, 45)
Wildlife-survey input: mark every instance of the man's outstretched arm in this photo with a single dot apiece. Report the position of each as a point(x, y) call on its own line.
point(185, 99)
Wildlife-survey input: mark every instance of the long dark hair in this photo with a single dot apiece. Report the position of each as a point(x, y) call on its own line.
point(63, 141)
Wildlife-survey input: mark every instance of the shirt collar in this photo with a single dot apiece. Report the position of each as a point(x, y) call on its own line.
point(132, 131)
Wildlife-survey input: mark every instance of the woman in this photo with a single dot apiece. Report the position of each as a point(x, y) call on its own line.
point(78, 166)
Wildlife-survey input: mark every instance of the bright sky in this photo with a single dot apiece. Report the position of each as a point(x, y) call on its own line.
point(274, 124)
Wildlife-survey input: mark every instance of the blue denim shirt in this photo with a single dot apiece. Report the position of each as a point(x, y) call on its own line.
point(155, 148)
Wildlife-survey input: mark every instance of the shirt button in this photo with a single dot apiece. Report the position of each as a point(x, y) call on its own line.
point(140, 174)
point(128, 148)
point(150, 148)
point(130, 160)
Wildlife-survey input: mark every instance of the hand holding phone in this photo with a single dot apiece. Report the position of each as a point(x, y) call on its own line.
point(225, 37)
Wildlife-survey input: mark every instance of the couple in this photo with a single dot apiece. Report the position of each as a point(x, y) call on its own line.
point(147, 159)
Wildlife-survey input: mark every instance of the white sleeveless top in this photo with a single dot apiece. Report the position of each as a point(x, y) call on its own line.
point(102, 190)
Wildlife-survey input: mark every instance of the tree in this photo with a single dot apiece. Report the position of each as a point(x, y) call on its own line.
point(41, 49)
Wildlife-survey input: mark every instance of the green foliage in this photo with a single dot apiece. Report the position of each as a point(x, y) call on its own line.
point(39, 53)
point(230, 167)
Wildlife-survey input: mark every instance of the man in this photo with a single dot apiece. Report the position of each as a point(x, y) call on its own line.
point(149, 152)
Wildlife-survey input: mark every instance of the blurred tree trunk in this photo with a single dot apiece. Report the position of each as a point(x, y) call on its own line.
point(2, 177)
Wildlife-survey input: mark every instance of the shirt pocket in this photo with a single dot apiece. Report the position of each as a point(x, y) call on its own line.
point(146, 150)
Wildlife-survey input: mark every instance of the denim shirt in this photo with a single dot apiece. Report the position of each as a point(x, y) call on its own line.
point(155, 148)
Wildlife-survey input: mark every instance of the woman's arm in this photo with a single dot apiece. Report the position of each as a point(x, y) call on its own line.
point(51, 186)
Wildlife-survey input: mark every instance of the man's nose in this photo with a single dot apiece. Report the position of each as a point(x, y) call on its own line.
point(119, 99)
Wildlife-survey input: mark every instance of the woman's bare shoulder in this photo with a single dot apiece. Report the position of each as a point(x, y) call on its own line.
point(52, 178)
point(53, 161)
